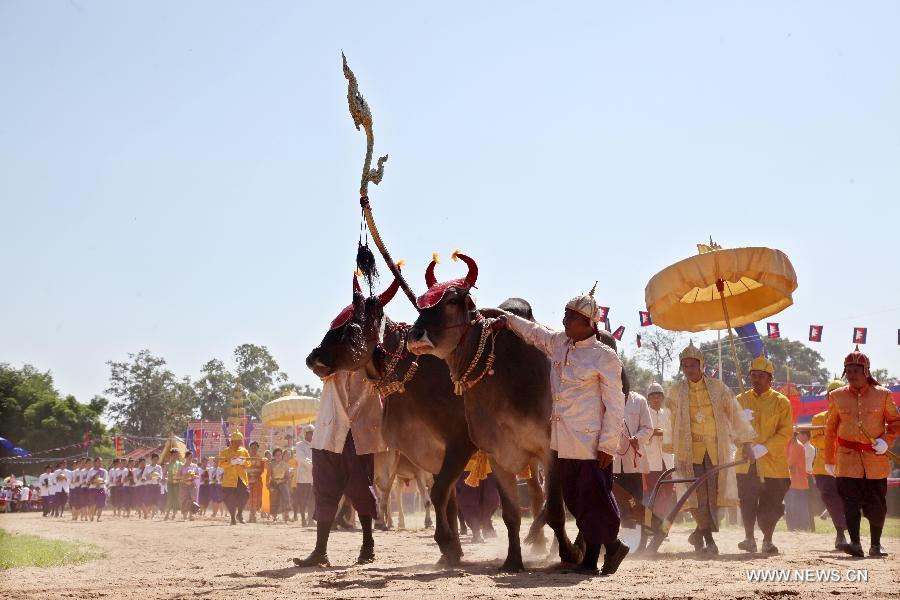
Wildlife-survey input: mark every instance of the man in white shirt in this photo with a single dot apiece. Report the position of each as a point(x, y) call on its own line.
point(630, 461)
point(658, 460)
point(303, 477)
point(586, 423)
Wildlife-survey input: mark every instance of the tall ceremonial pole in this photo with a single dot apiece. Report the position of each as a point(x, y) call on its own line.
point(362, 116)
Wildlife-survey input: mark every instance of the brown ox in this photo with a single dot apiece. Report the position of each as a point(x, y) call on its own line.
point(505, 384)
point(422, 417)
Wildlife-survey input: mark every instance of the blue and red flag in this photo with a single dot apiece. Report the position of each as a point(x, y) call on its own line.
point(859, 335)
point(645, 318)
point(774, 330)
point(618, 333)
point(815, 333)
point(603, 313)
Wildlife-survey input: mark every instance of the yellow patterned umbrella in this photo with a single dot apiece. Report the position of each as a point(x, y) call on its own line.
point(290, 410)
point(720, 289)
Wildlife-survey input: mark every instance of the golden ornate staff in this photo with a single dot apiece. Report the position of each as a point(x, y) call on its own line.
point(362, 116)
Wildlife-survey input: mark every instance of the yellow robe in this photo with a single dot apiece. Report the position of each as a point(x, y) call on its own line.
point(731, 425)
point(773, 421)
point(817, 439)
point(232, 473)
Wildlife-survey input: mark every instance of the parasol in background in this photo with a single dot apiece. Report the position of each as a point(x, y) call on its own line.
point(290, 410)
point(720, 289)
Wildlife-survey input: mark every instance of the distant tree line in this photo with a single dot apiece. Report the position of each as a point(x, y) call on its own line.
point(143, 398)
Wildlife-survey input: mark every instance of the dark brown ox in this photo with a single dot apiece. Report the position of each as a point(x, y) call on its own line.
point(422, 417)
point(506, 390)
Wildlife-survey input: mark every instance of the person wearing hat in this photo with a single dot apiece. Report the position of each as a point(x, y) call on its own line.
point(762, 485)
point(861, 426)
point(586, 423)
point(346, 437)
point(659, 449)
point(825, 482)
point(303, 476)
point(233, 461)
point(706, 418)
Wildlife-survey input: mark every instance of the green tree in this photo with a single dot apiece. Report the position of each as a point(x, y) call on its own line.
point(149, 400)
point(302, 390)
point(258, 373)
point(214, 390)
point(884, 378)
point(34, 416)
point(639, 378)
point(806, 365)
point(256, 368)
point(658, 351)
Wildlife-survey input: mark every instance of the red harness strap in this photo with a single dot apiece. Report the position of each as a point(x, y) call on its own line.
point(858, 446)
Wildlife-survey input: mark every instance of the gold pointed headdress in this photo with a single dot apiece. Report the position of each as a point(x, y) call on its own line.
point(585, 305)
point(692, 352)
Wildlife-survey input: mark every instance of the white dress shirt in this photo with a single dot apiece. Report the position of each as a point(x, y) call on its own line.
point(638, 422)
point(658, 460)
point(304, 462)
point(349, 403)
point(586, 382)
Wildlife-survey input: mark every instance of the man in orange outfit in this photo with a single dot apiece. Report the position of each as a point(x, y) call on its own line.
point(861, 426)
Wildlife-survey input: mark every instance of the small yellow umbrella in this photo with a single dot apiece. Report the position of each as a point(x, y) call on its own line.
point(290, 410)
point(720, 289)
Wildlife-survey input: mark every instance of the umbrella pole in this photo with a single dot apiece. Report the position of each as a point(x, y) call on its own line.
point(720, 285)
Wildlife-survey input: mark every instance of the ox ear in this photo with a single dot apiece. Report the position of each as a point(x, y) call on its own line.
point(470, 303)
point(359, 307)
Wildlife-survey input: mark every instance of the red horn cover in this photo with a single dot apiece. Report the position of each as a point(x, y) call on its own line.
point(472, 275)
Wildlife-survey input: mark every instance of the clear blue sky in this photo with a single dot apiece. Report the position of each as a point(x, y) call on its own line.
point(183, 176)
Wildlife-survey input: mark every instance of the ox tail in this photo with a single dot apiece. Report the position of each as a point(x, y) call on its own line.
point(537, 526)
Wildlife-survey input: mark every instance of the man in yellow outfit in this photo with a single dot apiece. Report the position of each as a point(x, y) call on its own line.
point(233, 461)
point(762, 484)
point(825, 482)
point(706, 418)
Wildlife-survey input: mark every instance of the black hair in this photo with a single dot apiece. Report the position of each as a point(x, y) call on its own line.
point(154, 455)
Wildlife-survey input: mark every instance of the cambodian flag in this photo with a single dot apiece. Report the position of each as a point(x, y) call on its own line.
point(774, 331)
point(619, 333)
point(859, 335)
point(645, 318)
point(604, 313)
point(815, 333)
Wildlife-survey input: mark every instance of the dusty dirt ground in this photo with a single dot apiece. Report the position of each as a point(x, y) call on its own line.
point(210, 559)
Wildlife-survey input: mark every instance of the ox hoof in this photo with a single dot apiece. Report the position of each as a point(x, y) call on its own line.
point(512, 566)
point(429, 524)
point(450, 560)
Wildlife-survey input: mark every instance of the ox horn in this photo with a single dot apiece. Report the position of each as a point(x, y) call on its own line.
point(472, 275)
point(430, 279)
point(388, 294)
